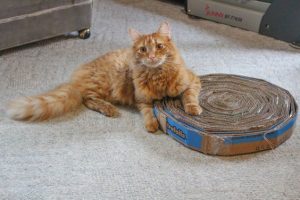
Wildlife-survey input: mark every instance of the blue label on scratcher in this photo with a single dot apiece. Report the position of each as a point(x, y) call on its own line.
point(183, 134)
point(256, 138)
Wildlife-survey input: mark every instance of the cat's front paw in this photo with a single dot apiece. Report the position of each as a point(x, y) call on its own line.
point(152, 125)
point(193, 109)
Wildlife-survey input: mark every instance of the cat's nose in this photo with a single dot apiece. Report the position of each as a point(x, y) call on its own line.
point(152, 57)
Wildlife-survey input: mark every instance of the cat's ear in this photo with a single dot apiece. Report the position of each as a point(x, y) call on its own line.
point(134, 34)
point(165, 29)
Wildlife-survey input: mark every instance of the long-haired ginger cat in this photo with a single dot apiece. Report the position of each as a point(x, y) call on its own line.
point(150, 70)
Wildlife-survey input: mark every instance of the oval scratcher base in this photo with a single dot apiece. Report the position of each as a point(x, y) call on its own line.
point(240, 115)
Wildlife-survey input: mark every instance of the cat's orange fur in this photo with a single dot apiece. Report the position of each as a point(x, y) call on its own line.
point(150, 70)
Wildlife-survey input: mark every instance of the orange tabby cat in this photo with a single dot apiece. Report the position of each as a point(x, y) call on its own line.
point(150, 70)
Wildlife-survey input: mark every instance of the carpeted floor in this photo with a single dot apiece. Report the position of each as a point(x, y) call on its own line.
point(85, 155)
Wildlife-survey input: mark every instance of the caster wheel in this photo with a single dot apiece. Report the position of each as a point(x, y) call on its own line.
point(85, 33)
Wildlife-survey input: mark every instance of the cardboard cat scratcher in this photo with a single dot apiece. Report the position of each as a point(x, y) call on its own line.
point(240, 115)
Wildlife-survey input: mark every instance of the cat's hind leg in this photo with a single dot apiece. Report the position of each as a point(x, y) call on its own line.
point(94, 102)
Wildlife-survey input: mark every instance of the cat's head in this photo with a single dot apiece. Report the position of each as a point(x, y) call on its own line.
point(153, 50)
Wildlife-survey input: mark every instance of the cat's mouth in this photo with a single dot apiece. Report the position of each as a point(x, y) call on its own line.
point(154, 63)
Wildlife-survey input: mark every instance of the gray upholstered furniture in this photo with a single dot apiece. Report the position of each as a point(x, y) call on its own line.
point(25, 21)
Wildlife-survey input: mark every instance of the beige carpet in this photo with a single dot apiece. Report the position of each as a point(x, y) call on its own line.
point(85, 155)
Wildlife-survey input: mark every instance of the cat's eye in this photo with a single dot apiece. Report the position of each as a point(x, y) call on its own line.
point(159, 46)
point(143, 49)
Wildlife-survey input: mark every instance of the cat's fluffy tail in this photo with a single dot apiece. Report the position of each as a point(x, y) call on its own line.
point(53, 103)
